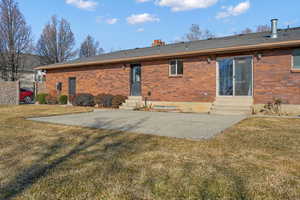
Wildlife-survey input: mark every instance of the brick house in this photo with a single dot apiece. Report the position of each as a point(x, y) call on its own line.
point(218, 75)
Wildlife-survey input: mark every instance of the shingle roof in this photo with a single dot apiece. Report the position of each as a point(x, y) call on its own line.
point(284, 35)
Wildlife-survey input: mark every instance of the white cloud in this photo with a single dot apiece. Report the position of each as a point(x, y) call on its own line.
point(140, 30)
point(102, 19)
point(182, 5)
point(83, 4)
point(142, 1)
point(234, 10)
point(112, 20)
point(142, 18)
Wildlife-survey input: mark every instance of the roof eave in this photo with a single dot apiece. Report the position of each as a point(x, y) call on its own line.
point(273, 45)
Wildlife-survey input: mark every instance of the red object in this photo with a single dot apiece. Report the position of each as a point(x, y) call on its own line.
point(26, 96)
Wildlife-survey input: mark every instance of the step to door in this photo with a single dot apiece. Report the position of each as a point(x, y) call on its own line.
point(232, 106)
point(223, 112)
point(132, 103)
point(139, 98)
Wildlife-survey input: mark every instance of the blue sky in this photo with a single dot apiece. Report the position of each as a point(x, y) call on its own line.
point(124, 24)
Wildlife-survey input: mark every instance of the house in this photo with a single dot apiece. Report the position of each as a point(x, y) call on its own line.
point(221, 75)
point(27, 75)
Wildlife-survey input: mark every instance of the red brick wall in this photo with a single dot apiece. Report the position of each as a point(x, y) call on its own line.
point(94, 80)
point(273, 78)
point(198, 83)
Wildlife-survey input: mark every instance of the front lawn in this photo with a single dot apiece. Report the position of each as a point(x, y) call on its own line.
point(257, 159)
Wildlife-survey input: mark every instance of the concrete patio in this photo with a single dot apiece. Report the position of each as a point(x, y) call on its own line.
point(179, 125)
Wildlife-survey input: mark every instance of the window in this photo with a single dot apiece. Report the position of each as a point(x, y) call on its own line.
point(59, 86)
point(296, 59)
point(176, 68)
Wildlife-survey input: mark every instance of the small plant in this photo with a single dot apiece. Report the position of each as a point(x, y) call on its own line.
point(84, 99)
point(104, 100)
point(118, 100)
point(63, 99)
point(41, 98)
point(272, 108)
point(51, 100)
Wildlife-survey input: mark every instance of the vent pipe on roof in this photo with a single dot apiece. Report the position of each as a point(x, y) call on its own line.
point(274, 28)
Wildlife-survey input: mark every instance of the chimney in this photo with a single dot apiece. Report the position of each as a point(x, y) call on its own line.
point(158, 43)
point(274, 28)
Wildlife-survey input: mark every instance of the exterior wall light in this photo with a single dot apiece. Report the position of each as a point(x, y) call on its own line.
point(259, 56)
point(209, 60)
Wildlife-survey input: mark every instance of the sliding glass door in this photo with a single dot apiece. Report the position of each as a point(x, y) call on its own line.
point(235, 76)
point(226, 77)
point(243, 76)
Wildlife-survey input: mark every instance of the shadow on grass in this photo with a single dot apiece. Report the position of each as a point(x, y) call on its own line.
point(212, 188)
point(27, 177)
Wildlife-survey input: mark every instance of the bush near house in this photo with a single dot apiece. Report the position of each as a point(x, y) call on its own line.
point(84, 99)
point(51, 100)
point(104, 100)
point(118, 100)
point(99, 99)
point(41, 98)
point(63, 99)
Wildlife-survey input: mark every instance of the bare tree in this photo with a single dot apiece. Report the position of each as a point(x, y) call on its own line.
point(259, 28)
point(57, 42)
point(89, 48)
point(196, 33)
point(15, 39)
point(247, 30)
point(263, 28)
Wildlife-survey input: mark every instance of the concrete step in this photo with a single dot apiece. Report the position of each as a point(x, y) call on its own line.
point(123, 107)
point(244, 104)
point(238, 100)
point(132, 101)
point(133, 104)
point(138, 98)
point(220, 112)
point(232, 108)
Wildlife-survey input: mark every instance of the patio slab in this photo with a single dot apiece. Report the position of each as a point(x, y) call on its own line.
point(179, 125)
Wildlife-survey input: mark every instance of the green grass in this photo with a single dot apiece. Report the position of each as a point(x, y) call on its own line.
point(257, 159)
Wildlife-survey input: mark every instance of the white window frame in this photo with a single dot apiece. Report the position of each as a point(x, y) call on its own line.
point(293, 66)
point(170, 67)
point(218, 78)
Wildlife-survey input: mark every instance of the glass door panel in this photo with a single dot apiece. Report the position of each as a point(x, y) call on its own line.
point(136, 80)
point(226, 77)
point(243, 76)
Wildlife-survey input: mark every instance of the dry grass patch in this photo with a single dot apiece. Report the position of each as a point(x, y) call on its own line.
point(257, 159)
